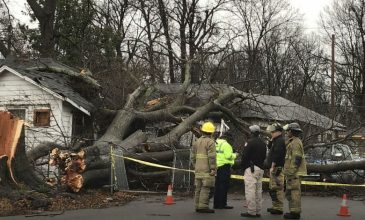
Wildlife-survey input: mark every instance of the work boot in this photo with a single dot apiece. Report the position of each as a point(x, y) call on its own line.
point(246, 214)
point(228, 207)
point(275, 211)
point(223, 207)
point(206, 210)
point(292, 215)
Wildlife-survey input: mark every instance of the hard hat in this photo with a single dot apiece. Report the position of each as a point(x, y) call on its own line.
point(208, 127)
point(254, 128)
point(285, 127)
point(274, 127)
point(293, 127)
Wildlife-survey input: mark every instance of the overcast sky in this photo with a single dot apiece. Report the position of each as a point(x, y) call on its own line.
point(310, 8)
point(16, 7)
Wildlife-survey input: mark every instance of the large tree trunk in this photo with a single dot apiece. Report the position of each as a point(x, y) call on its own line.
point(24, 172)
point(20, 171)
point(337, 167)
point(121, 133)
point(165, 24)
point(46, 17)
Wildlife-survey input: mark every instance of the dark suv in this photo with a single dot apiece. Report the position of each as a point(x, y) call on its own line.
point(330, 154)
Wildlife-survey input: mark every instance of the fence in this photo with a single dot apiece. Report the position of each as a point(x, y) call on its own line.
point(182, 180)
point(119, 180)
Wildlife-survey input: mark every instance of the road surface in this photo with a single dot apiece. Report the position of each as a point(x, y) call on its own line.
point(152, 208)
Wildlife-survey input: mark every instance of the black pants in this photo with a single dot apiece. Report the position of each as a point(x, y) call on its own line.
point(221, 186)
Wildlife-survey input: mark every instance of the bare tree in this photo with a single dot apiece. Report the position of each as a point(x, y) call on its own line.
point(256, 20)
point(165, 24)
point(346, 20)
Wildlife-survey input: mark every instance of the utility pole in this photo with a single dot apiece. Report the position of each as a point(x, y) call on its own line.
point(333, 77)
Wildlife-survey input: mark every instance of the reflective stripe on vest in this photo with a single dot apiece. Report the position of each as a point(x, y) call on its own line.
point(201, 156)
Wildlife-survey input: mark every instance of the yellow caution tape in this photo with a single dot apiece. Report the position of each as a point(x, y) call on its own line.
point(154, 164)
point(238, 177)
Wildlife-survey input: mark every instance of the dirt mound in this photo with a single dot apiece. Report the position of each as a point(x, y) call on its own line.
point(30, 202)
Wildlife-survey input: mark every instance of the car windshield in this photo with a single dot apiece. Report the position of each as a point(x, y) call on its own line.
point(319, 153)
point(341, 152)
point(336, 152)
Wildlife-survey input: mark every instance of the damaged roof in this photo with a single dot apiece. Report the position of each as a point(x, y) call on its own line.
point(277, 108)
point(271, 108)
point(58, 85)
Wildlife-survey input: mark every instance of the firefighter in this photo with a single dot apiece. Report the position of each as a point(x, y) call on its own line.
point(225, 160)
point(204, 158)
point(294, 167)
point(253, 157)
point(276, 159)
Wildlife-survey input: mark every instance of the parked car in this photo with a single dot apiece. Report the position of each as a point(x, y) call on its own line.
point(329, 154)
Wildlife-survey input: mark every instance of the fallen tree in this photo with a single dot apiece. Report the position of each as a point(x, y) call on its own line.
point(336, 167)
point(14, 166)
point(136, 144)
point(176, 110)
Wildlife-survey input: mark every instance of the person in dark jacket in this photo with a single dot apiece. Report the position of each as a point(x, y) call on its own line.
point(276, 161)
point(253, 156)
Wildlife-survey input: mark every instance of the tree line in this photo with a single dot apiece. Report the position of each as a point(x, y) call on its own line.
point(259, 46)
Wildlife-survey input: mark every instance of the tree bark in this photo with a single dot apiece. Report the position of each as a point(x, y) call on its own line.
point(46, 17)
point(42, 150)
point(3, 49)
point(165, 24)
point(341, 166)
point(22, 170)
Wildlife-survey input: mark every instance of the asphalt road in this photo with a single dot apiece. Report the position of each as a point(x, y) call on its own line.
point(152, 208)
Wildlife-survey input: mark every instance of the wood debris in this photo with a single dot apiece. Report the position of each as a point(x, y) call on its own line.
point(71, 166)
point(10, 131)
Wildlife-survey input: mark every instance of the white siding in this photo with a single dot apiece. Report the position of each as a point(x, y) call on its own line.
point(16, 93)
point(67, 119)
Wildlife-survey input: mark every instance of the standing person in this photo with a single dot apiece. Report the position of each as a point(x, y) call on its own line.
point(253, 157)
point(225, 160)
point(204, 158)
point(276, 161)
point(294, 167)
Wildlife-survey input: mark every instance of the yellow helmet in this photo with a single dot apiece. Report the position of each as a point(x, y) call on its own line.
point(208, 127)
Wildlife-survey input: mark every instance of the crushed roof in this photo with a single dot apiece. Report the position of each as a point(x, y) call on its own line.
point(57, 83)
point(277, 108)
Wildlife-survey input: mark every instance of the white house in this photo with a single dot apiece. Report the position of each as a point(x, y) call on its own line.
point(52, 110)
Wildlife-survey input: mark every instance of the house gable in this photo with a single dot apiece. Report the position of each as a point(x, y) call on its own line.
point(26, 99)
point(26, 76)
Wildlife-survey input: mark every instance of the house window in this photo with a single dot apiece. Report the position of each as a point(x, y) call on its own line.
point(20, 113)
point(42, 117)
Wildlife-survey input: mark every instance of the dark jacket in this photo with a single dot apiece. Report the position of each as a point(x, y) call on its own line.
point(255, 152)
point(277, 152)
